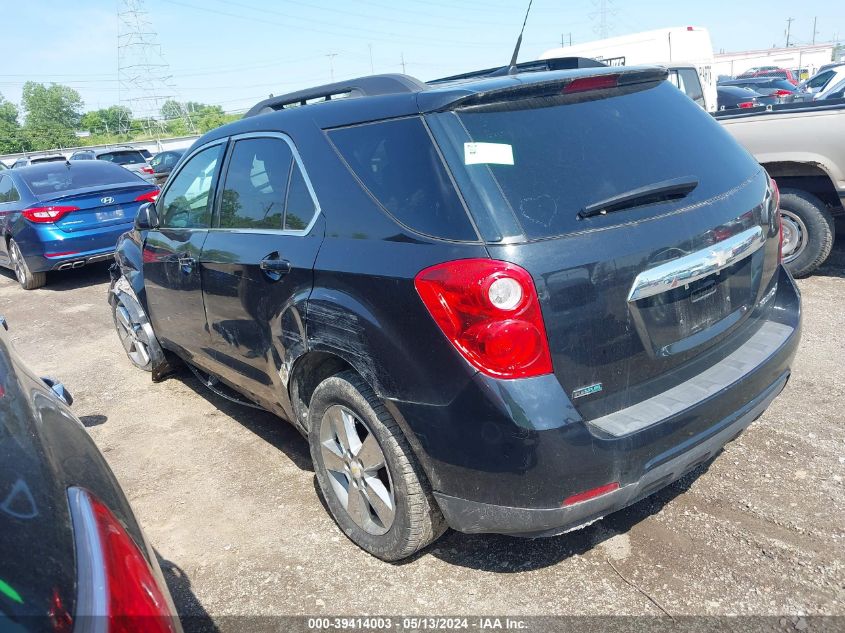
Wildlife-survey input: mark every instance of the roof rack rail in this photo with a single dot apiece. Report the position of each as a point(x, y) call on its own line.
point(540, 65)
point(370, 86)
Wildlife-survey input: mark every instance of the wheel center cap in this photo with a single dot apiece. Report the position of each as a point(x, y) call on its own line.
point(355, 469)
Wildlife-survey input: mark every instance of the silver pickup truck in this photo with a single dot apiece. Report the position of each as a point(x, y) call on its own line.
point(802, 146)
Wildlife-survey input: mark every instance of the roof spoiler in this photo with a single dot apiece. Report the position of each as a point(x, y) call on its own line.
point(540, 65)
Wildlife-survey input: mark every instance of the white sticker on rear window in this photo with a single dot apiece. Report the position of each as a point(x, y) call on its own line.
point(489, 153)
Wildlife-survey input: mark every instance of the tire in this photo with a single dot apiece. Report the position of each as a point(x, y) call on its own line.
point(26, 278)
point(132, 335)
point(808, 225)
point(416, 520)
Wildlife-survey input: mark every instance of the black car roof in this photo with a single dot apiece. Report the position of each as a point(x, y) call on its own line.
point(389, 96)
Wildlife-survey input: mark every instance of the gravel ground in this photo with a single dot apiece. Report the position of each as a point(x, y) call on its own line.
point(227, 496)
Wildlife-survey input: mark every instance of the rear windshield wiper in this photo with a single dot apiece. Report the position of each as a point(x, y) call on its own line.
point(662, 191)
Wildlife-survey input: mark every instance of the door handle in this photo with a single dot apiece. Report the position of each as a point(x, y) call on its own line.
point(275, 265)
point(186, 263)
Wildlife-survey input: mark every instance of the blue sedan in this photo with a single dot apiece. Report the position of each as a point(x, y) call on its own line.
point(56, 216)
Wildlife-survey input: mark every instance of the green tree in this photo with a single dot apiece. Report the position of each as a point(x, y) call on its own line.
point(11, 135)
point(112, 120)
point(53, 114)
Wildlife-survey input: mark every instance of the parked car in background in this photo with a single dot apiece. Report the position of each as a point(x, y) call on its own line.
point(802, 148)
point(26, 161)
point(163, 164)
point(766, 86)
point(821, 82)
point(56, 216)
point(770, 71)
point(146, 154)
point(482, 302)
point(836, 91)
point(128, 157)
point(74, 556)
point(731, 97)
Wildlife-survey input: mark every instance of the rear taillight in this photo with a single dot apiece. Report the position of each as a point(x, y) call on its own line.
point(776, 209)
point(42, 215)
point(489, 310)
point(780, 92)
point(148, 196)
point(147, 169)
point(114, 579)
point(591, 83)
point(746, 104)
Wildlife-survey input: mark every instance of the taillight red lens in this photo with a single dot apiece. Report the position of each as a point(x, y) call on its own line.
point(42, 215)
point(115, 580)
point(149, 196)
point(147, 170)
point(591, 83)
point(746, 104)
point(782, 93)
point(776, 208)
point(489, 310)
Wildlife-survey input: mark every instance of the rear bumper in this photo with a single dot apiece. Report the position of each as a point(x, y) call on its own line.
point(471, 517)
point(504, 455)
point(49, 248)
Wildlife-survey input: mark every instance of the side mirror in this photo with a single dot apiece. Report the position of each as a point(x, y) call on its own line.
point(147, 218)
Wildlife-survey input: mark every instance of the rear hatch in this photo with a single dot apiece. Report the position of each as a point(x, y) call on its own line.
point(649, 232)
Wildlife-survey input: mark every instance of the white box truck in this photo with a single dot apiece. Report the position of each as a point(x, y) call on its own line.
point(686, 51)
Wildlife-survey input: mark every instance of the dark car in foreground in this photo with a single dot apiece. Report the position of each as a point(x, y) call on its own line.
point(511, 303)
point(56, 216)
point(73, 555)
point(163, 163)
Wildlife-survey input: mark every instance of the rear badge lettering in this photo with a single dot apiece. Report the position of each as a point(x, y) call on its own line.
point(586, 391)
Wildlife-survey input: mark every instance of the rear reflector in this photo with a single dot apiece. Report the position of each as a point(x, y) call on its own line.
point(591, 494)
point(148, 196)
point(61, 254)
point(591, 83)
point(746, 104)
point(776, 209)
point(42, 215)
point(114, 579)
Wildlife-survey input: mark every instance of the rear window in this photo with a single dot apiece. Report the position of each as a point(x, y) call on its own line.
point(47, 159)
point(125, 157)
point(57, 178)
point(398, 164)
point(551, 162)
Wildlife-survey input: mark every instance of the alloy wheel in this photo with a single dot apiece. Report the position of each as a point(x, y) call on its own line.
point(794, 235)
point(131, 336)
point(357, 470)
point(17, 261)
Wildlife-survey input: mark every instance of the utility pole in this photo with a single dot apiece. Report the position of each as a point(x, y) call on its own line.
point(562, 44)
point(372, 68)
point(789, 22)
point(815, 32)
point(402, 55)
point(331, 57)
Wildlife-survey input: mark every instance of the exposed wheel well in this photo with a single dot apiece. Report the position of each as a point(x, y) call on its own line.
point(806, 177)
point(308, 372)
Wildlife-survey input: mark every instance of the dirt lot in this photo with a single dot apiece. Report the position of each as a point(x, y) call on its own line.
point(227, 496)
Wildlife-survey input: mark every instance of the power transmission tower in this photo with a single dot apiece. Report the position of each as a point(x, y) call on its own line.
point(815, 30)
point(601, 15)
point(143, 76)
point(331, 57)
point(789, 22)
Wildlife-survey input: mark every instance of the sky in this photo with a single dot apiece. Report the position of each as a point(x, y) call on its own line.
point(233, 53)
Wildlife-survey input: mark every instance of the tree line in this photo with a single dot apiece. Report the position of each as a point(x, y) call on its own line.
point(50, 116)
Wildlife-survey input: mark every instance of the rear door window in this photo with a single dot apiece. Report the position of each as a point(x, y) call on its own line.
point(255, 186)
point(692, 85)
point(398, 164)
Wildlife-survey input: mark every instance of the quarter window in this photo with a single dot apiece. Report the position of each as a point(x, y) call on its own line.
point(300, 205)
point(186, 203)
point(8, 193)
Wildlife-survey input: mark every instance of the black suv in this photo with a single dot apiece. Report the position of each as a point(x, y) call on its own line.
point(510, 303)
